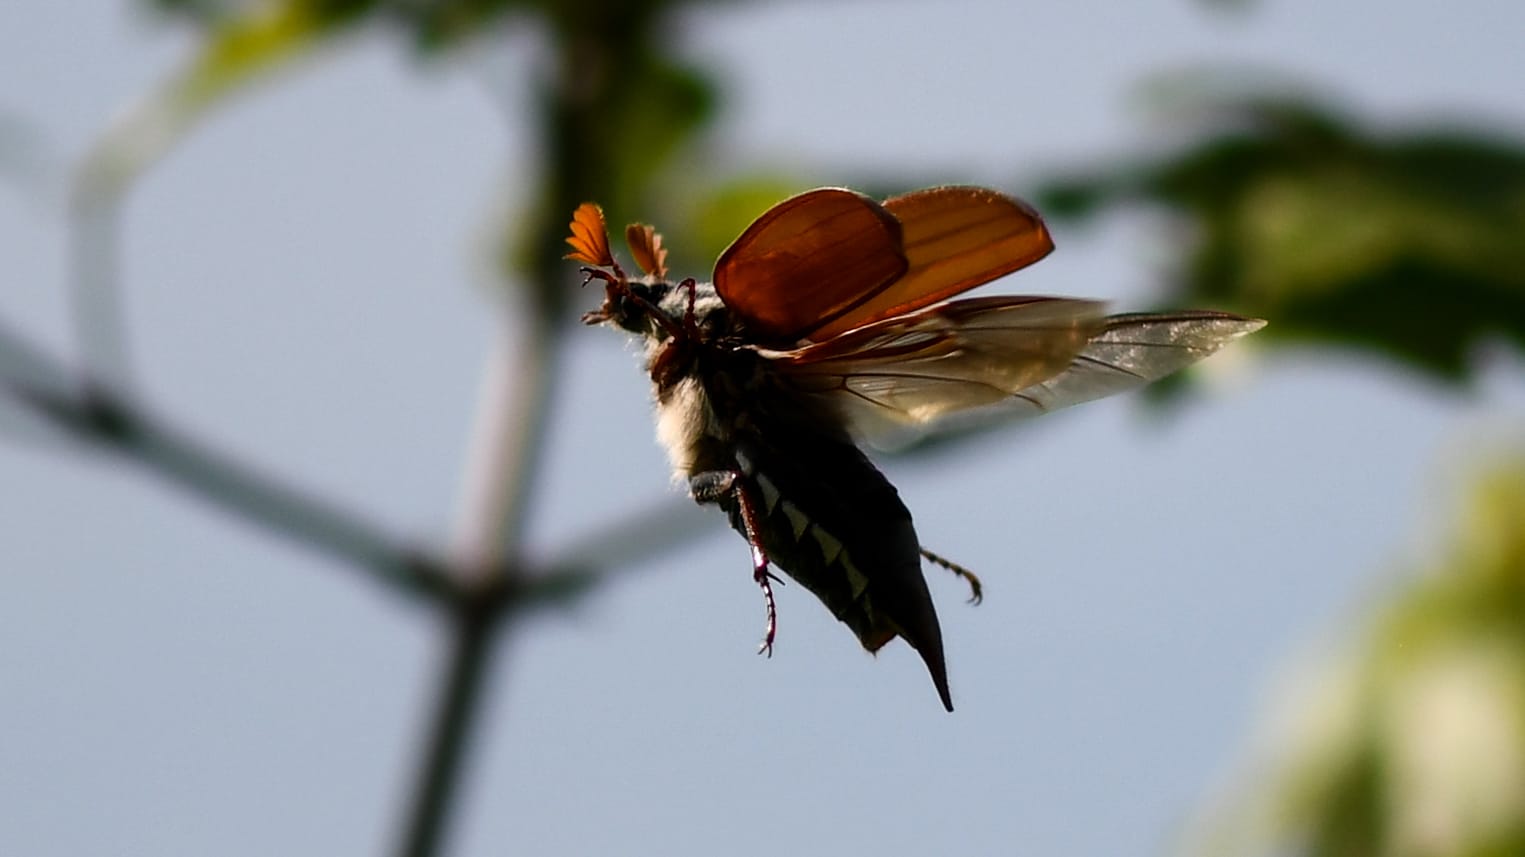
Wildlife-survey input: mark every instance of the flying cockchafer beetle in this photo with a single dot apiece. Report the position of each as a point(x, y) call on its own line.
point(828, 322)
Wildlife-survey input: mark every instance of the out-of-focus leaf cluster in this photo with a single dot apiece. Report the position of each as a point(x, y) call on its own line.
point(432, 24)
point(1408, 244)
point(614, 105)
point(1413, 742)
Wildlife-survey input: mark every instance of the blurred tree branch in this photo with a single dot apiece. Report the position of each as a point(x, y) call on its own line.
point(120, 426)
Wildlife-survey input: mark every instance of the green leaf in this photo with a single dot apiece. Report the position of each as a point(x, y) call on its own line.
point(240, 46)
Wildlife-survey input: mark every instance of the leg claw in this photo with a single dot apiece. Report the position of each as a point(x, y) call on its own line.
point(763, 577)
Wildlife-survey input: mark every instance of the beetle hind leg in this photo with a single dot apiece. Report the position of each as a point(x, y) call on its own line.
point(976, 589)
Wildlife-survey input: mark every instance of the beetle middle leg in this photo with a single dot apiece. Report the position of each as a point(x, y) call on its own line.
point(714, 486)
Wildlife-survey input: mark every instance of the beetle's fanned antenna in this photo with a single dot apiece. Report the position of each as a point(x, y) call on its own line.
point(646, 246)
point(590, 237)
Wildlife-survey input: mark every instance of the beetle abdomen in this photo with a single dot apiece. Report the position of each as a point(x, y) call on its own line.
point(833, 523)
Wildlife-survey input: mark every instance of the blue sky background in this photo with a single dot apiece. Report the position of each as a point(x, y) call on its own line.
point(306, 280)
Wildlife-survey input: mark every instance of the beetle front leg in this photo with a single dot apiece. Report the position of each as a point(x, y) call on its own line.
point(713, 486)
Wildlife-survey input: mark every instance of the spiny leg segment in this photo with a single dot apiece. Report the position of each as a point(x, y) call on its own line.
point(976, 589)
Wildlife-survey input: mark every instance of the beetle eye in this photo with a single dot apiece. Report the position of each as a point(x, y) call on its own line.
point(629, 306)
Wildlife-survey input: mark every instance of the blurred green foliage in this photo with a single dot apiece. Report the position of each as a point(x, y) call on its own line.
point(1406, 244)
point(1409, 244)
point(432, 25)
point(1412, 744)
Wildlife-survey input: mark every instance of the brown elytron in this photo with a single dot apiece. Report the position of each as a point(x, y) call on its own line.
point(829, 321)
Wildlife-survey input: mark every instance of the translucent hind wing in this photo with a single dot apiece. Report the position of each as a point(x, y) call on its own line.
point(1014, 356)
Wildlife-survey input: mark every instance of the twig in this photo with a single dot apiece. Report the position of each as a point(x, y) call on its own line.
point(457, 706)
point(115, 423)
point(582, 93)
point(95, 295)
point(502, 461)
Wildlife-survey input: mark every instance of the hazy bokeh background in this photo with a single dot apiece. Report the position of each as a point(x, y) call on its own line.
point(310, 277)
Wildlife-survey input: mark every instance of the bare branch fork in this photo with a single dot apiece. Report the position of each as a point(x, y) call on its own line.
point(118, 425)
